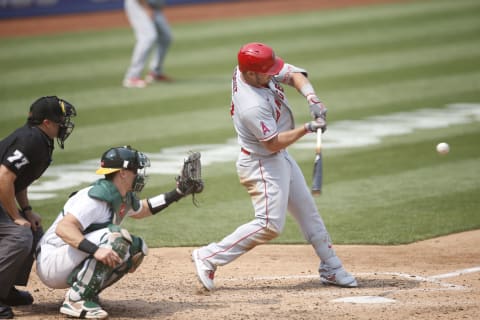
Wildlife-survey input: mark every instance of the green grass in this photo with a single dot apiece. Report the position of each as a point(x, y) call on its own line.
point(364, 62)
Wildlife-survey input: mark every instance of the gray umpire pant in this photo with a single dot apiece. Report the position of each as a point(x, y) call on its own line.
point(17, 246)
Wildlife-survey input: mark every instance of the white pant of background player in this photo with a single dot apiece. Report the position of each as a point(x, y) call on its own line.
point(149, 34)
point(272, 195)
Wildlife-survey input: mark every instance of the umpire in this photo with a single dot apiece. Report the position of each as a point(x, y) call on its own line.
point(24, 156)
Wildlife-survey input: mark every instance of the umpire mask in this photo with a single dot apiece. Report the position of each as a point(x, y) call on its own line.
point(56, 110)
point(67, 125)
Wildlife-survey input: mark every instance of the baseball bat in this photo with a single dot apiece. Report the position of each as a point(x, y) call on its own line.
point(318, 166)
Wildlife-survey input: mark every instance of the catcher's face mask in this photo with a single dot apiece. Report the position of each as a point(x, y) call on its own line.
point(141, 178)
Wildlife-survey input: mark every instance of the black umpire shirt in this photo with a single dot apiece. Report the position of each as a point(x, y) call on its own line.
point(27, 152)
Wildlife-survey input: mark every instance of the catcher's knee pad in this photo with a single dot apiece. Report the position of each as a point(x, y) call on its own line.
point(138, 250)
point(130, 248)
point(119, 240)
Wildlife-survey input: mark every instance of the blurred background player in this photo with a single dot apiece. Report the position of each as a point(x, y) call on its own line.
point(263, 120)
point(25, 155)
point(152, 31)
point(85, 249)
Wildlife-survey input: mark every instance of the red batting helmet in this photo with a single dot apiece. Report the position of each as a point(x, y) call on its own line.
point(260, 58)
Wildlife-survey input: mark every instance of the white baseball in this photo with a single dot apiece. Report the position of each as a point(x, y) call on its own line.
point(443, 148)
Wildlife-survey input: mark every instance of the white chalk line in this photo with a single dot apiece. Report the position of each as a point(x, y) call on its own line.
point(449, 286)
point(436, 279)
point(456, 273)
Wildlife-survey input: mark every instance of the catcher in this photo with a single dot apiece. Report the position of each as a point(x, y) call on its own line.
point(86, 249)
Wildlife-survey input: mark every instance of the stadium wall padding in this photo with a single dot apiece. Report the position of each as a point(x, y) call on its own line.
point(10, 9)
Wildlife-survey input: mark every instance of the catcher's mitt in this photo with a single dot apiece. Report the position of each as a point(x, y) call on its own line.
point(190, 179)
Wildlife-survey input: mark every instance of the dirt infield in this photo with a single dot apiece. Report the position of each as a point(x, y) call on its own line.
point(434, 279)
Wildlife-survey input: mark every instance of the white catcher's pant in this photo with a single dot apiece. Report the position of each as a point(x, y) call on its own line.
point(54, 264)
point(276, 185)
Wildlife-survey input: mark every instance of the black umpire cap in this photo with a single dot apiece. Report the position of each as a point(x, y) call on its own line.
point(51, 108)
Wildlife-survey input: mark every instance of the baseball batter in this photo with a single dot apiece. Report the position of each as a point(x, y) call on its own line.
point(85, 249)
point(152, 31)
point(265, 127)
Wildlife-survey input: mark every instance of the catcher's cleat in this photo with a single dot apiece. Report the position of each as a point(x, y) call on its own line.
point(338, 277)
point(204, 273)
point(82, 309)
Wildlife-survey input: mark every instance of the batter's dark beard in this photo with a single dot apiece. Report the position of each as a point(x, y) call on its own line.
point(259, 82)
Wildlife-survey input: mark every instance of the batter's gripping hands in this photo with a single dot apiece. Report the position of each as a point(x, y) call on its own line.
point(190, 180)
point(319, 113)
point(317, 108)
point(314, 125)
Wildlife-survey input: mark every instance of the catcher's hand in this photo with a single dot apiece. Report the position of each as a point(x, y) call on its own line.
point(190, 179)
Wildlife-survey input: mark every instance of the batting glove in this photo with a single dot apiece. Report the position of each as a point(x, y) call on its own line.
point(317, 108)
point(314, 125)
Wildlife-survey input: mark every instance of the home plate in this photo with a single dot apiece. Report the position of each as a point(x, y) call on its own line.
point(364, 299)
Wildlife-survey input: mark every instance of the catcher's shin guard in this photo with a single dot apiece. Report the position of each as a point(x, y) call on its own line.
point(92, 276)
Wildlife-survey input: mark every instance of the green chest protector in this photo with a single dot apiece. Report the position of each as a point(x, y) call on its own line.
point(105, 190)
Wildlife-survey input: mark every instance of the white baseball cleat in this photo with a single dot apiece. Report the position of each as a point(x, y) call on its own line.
point(204, 273)
point(338, 277)
point(82, 309)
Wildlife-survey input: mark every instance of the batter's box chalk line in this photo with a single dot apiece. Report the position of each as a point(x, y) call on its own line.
point(431, 279)
point(436, 279)
point(364, 299)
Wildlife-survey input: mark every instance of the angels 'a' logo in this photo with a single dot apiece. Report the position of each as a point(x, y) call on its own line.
point(278, 115)
point(265, 129)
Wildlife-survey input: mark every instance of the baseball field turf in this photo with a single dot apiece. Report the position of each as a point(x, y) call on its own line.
point(397, 79)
